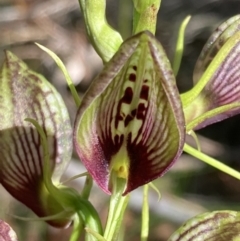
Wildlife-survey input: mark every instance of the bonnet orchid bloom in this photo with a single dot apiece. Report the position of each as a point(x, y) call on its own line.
point(131, 122)
point(25, 94)
point(36, 147)
point(216, 93)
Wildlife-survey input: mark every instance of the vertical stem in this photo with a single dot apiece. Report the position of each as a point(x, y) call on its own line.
point(125, 18)
point(118, 204)
point(145, 214)
point(77, 228)
point(145, 15)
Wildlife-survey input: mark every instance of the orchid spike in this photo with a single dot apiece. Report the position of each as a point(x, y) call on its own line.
point(130, 121)
point(216, 94)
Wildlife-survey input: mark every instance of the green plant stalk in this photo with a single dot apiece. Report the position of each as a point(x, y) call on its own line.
point(87, 187)
point(77, 228)
point(103, 37)
point(145, 15)
point(211, 161)
point(145, 214)
point(118, 204)
point(125, 13)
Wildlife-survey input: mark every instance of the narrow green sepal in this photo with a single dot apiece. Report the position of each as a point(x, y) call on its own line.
point(180, 46)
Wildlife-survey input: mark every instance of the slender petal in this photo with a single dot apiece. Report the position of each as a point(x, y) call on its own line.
point(25, 94)
point(131, 121)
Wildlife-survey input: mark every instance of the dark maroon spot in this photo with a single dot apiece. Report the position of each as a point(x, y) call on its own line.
point(132, 77)
point(135, 67)
point(140, 111)
point(127, 120)
point(128, 95)
point(127, 98)
point(134, 112)
point(118, 140)
point(144, 92)
point(120, 117)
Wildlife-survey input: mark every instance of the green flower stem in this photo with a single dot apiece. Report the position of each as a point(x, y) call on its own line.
point(125, 13)
point(94, 234)
point(145, 214)
point(104, 38)
point(87, 187)
point(180, 46)
point(77, 228)
point(145, 15)
point(90, 217)
point(118, 204)
point(211, 161)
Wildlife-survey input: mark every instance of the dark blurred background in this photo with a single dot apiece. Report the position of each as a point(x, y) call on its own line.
point(191, 187)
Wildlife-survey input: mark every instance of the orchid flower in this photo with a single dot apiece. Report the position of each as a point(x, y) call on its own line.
point(215, 226)
point(36, 147)
point(6, 232)
point(132, 121)
point(216, 93)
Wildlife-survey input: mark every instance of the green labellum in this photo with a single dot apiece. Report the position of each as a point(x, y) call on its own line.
point(130, 120)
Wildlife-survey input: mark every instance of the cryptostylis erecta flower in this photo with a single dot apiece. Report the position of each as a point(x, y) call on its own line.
point(36, 146)
point(25, 94)
point(132, 122)
point(214, 226)
point(131, 119)
point(216, 92)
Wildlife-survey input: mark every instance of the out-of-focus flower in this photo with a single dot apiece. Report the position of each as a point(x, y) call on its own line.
point(6, 232)
point(216, 92)
point(25, 94)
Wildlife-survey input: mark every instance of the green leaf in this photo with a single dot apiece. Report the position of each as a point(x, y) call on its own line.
point(26, 94)
point(130, 120)
point(212, 226)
